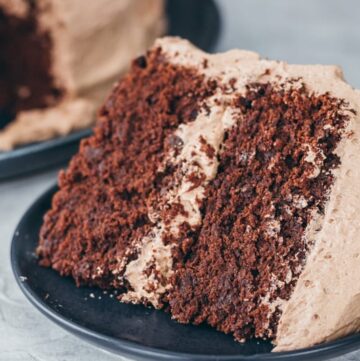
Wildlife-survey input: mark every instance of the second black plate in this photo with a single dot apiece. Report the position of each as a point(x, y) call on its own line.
point(130, 330)
point(196, 20)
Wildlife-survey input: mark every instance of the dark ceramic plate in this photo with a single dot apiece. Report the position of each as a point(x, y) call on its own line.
point(196, 20)
point(134, 331)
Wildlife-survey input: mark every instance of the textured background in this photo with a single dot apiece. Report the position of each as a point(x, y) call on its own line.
point(307, 31)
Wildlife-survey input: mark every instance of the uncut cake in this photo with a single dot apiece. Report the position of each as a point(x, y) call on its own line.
point(223, 188)
point(58, 60)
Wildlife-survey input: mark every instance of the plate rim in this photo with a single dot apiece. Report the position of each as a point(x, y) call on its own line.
point(133, 349)
point(31, 149)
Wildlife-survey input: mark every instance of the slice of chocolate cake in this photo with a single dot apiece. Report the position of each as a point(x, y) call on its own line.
point(57, 58)
point(224, 187)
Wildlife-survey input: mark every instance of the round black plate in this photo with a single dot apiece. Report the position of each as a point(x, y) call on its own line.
point(196, 20)
point(131, 330)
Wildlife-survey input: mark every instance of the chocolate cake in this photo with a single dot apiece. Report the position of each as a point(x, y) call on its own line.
point(223, 188)
point(57, 58)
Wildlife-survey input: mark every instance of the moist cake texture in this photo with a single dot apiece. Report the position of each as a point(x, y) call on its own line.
point(58, 54)
point(222, 188)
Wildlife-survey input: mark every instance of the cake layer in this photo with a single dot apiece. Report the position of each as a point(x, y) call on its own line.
point(212, 185)
point(102, 207)
point(252, 247)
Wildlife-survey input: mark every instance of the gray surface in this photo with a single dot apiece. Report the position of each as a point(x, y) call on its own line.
point(297, 31)
point(306, 31)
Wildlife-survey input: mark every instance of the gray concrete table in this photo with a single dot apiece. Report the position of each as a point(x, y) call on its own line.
point(308, 31)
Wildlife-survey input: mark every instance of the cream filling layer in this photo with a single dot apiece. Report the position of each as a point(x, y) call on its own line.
point(325, 303)
point(154, 254)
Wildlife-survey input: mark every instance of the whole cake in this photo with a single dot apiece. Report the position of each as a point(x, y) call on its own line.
point(224, 187)
point(57, 58)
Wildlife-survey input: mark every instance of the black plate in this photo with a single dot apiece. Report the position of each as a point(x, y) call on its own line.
point(196, 20)
point(40, 155)
point(131, 330)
